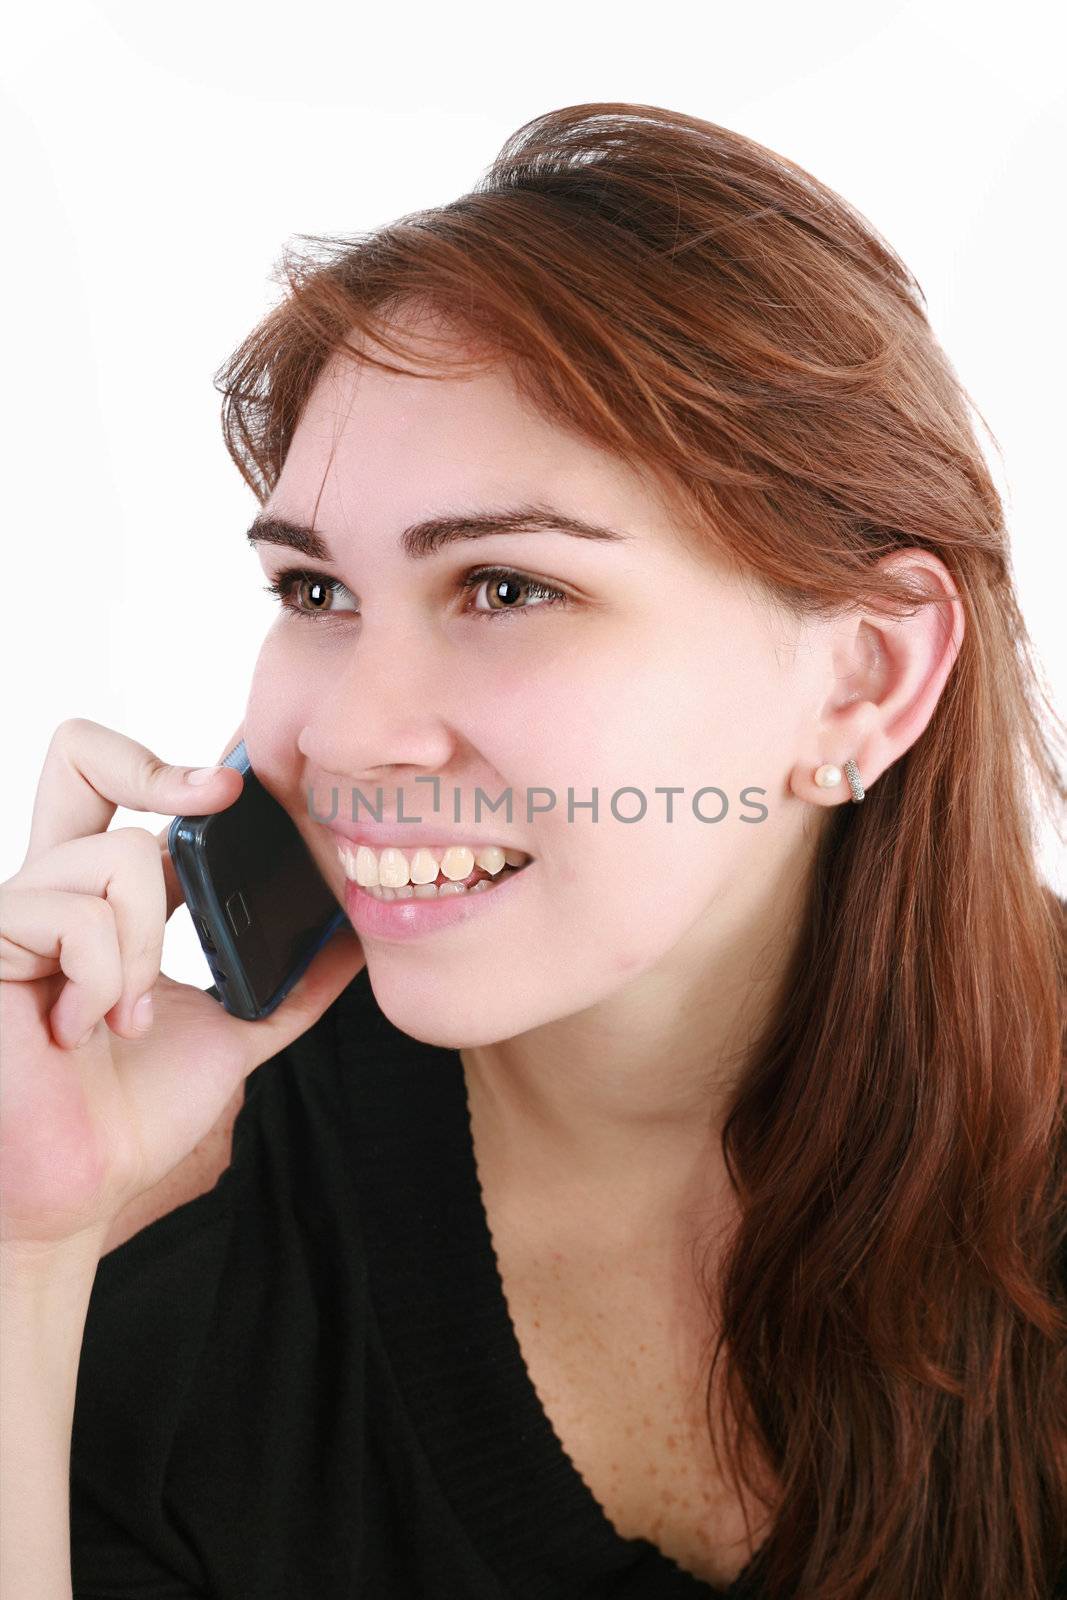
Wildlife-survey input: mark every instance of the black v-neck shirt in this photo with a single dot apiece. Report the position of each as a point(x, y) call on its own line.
point(306, 1382)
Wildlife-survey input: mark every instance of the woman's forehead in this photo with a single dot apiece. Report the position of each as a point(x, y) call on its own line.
point(398, 450)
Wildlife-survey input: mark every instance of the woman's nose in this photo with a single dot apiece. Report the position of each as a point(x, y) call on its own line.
point(385, 707)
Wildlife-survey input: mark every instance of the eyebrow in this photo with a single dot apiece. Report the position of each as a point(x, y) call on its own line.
point(424, 539)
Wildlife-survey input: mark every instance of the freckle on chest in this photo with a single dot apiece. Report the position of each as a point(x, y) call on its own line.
point(622, 1387)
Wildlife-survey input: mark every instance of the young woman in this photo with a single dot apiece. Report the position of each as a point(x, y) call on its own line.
point(661, 1192)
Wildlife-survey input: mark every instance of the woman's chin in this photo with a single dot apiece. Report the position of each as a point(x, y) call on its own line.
point(435, 1014)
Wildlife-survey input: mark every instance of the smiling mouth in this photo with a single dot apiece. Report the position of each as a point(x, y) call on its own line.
point(480, 880)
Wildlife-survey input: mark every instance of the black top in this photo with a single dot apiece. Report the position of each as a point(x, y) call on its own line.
point(306, 1382)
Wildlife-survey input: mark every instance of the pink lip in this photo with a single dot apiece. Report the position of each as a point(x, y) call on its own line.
point(400, 920)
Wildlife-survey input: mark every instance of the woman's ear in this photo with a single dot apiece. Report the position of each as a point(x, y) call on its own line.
point(884, 676)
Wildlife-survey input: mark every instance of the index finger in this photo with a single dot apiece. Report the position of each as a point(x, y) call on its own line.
point(90, 770)
point(175, 892)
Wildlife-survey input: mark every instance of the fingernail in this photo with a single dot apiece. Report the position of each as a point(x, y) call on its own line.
point(142, 1011)
point(201, 775)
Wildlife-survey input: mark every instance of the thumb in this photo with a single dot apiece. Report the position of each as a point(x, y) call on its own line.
point(334, 966)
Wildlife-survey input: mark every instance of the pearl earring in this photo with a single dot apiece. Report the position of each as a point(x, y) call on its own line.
point(829, 776)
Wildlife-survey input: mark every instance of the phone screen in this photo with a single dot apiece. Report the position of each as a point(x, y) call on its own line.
point(260, 905)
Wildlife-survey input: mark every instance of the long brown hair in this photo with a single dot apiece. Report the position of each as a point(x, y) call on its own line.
point(893, 1312)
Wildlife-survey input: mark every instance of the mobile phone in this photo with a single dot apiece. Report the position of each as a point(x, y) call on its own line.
point(259, 904)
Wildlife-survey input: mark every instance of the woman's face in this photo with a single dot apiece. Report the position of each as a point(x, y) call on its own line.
point(658, 670)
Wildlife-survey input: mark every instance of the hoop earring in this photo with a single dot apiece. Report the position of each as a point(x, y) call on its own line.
point(855, 783)
point(829, 776)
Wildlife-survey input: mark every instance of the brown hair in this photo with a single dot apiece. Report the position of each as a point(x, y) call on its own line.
point(892, 1305)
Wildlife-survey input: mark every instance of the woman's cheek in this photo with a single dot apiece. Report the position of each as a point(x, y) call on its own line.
point(274, 717)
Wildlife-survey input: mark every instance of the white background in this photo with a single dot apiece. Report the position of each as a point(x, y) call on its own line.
point(158, 158)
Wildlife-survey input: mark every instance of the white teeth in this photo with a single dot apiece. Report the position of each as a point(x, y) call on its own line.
point(366, 867)
point(423, 867)
point(429, 891)
point(457, 862)
point(390, 868)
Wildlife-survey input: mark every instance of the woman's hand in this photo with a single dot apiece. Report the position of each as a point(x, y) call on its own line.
point(100, 1097)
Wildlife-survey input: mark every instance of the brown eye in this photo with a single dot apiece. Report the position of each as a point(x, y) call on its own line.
point(315, 594)
point(505, 590)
